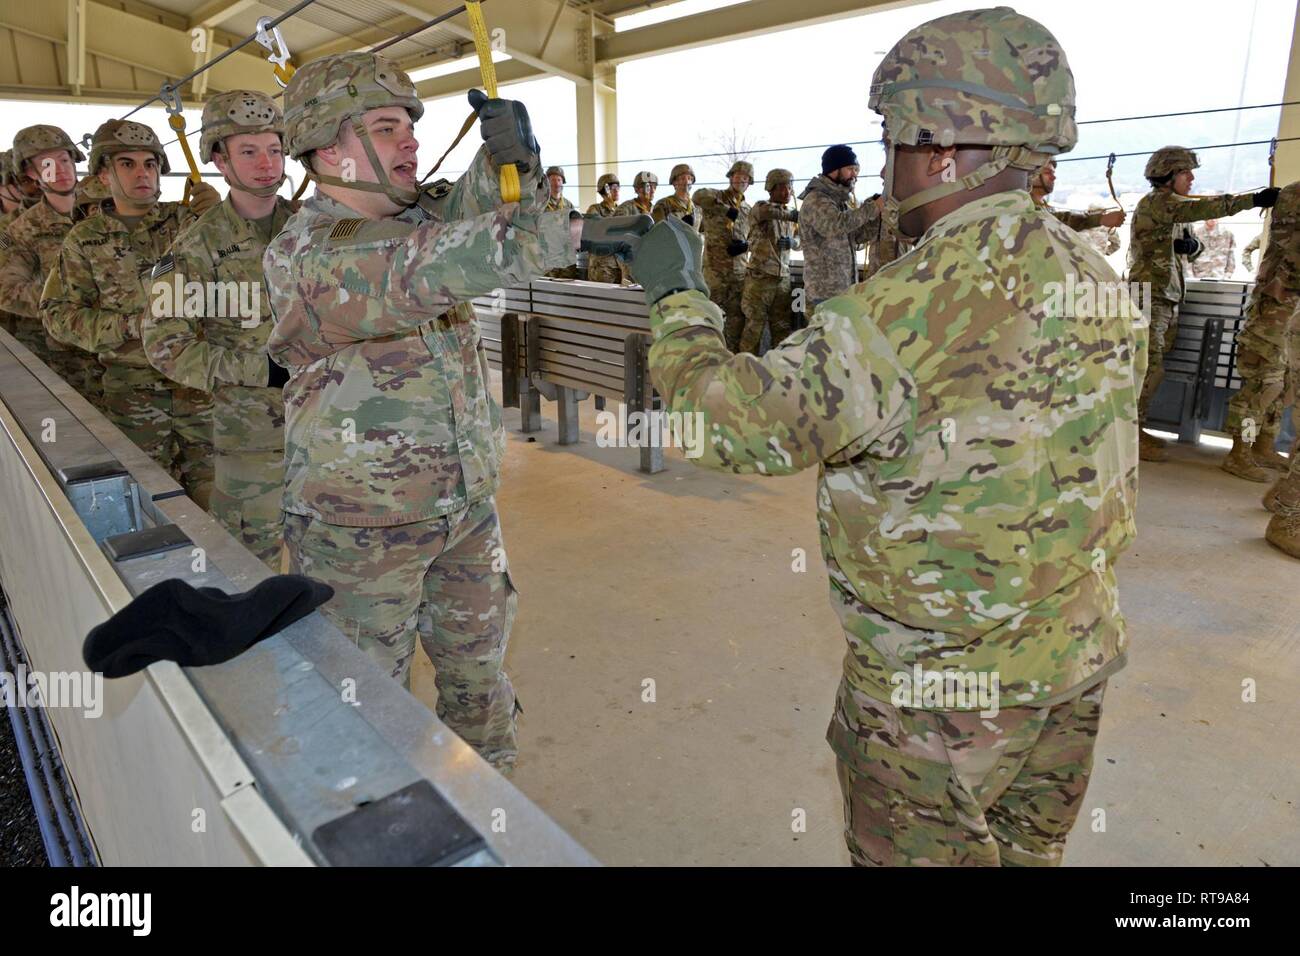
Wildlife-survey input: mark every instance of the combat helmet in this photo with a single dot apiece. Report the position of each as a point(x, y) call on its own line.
point(235, 112)
point(89, 195)
point(1168, 160)
point(776, 177)
point(32, 140)
point(126, 136)
point(679, 169)
point(604, 182)
point(645, 178)
point(326, 93)
point(987, 77)
point(740, 166)
point(557, 171)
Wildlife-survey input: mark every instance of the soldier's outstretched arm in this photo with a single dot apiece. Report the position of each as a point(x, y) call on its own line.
point(20, 278)
point(71, 310)
point(476, 192)
point(174, 344)
point(828, 392)
point(1178, 208)
point(823, 217)
point(1078, 221)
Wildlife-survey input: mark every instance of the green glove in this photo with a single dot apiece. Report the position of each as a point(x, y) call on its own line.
point(668, 259)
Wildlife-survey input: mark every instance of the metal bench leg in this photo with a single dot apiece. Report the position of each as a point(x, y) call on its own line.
point(567, 408)
point(530, 406)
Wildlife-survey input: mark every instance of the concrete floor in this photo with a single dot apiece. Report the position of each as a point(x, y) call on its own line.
point(684, 578)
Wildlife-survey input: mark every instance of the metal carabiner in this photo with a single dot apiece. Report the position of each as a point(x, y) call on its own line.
point(269, 37)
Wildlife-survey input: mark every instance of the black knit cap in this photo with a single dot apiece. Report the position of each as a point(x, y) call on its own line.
point(837, 156)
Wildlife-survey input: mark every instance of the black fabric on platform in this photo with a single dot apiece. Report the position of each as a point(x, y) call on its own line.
point(173, 621)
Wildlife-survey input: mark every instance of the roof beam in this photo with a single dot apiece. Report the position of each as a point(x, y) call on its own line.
point(76, 45)
point(731, 23)
point(217, 12)
point(454, 84)
point(362, 39)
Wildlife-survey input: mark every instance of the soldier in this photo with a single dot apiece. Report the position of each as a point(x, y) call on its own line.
point(772, 234)
point(678, 203)
point(17, 192)
point(393, 442)
point(1105, 239)
point(1255, 412)
point(220, 346)
point(725, 225)
point(556, 202)
point(1041, 186)
point(887, 246)
point(11, 204)
point(832, 226)
point(46, 156)
point(645, 183)
point(89, 198)
point(1218, 258)
point(977, 453)
point(97, 295)
point(1159, 239)
point(605, 268)
point(1252, 247)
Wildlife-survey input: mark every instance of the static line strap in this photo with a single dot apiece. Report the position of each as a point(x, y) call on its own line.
point(509, 175)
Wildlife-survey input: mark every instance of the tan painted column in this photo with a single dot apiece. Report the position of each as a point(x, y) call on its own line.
point(597, 107)
point(1288, 154)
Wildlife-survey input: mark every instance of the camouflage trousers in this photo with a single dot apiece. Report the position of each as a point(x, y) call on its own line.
point(438, 580)
point(9, 322)
point(1163, 331)
point(247, 498)
point(1262, 364)
point(765, 299)
point(79, 369)
point(564, 272)
point(604, 269)
point(31, 333)
point(173, 426)
point(725, 289)
point(931, 788)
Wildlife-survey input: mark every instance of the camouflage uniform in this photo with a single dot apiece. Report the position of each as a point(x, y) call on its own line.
point(725, 226)
point(831, 227)
point(1158, 220)
point(560, 204)
point(1105, 239)
point(1218, 258)
point(9, 321)
point(95, 298)
point(1283, 530)
point(604, 268)
point(887, 246)
point(224, 352)
point(1252, 247)
point(393, 442)
point(1255, 411)
point(635, 206)
point(673, 205)
point(978, 473)
point(766, 295)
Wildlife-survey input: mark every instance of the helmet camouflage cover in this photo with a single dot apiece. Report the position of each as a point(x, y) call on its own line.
point(37, 139)
point(679, 169)
point(609, 179)
point(235, 112)
point(326, 92)
point(740, 166)
point(556, 171)
point(777, 176)
point(645, 178)
point(90, 191)
point(125, 136)
point(1168, 160)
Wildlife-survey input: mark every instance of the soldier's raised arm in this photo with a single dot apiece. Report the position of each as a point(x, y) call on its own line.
point(1174, 208)
point(823, 217)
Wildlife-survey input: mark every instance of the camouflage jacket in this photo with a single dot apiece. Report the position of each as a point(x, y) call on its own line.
point(1252, 247)
point(634, 207)
point(604, 210)
point(976, 439)
point(884, 248)
point(216, 341)
point(769, 222)
point(670, 205)
point(558, 205)
point(1278, 278)
point(719, 231)
point(97, 293)
point(1157, 222)
point(1105, 239)
point(5, 219)
point(1218, 258)
point(34, 240)
point(388, 417)
point(1078, 221)
point(832, 227)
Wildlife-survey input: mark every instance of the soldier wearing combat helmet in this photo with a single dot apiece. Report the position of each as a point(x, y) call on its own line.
point(765, 299)
point(220, 346)
point(11, 204)
point(726, 246)
point(99, 292)
point(642, 204)
point(1160, 240)
point(555, 202)
point(976, 452)
point(678, 203)
point(393, 441)
point(1044, 182)
point(604, 268)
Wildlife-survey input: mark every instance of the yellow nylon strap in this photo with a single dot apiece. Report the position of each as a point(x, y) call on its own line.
point(177, 122)
point(510, 190)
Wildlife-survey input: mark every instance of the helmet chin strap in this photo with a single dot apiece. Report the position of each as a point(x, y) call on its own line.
point(1018, 157)
point(112, 172)
point(234, 182)
point(399, 195)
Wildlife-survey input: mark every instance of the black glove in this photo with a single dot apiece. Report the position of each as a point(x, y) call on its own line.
point(277, 376)
point(1185, 246)
point(614, 235)
point(737, 247)
point(873, 197)
point(1267, 198)
point(785, 242)
point(689, 220)
point(733, 213)
point(506, 130)
point(794, 215)
point(668, 259)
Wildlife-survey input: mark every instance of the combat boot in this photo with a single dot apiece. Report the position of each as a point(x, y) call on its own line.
point(1240, 463)
point(1271, 500)
point(1266, 453)
point(1151, 448)
point(1284, 532)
